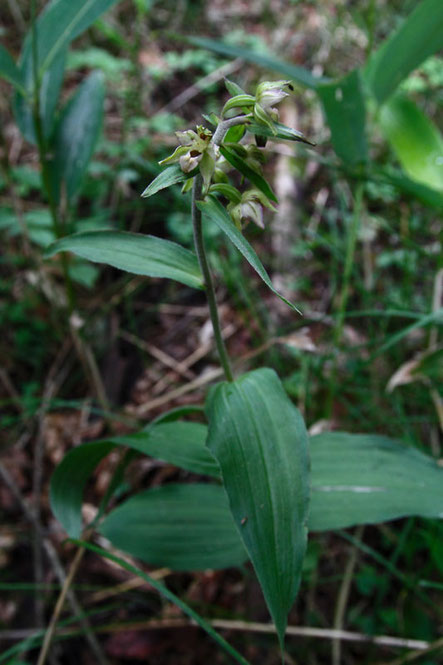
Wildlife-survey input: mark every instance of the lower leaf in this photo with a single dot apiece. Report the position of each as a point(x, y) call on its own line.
point(260, 442)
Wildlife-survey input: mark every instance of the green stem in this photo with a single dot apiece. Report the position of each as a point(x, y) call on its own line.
point(344, 295)
point(349, 263)
point(207, 277)
point(42, 152)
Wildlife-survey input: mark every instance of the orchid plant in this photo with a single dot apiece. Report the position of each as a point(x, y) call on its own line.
point(264, 495)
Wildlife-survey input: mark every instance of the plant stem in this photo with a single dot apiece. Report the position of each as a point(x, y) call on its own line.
point(207, 277)
point(223, 127)
point(42, 153)
point(347, 271)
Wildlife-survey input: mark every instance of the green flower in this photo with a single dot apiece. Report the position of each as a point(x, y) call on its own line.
point(267, 95)
point(270, 93)
point(195, 149)
point(250, 208)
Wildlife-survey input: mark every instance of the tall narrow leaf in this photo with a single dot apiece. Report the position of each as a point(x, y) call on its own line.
point(215, 211)
point(415, 140)
point(260, 442)
point(77, 133)
point(50, 86)
point(135, 253)
point(272, 62)
point(420, 35)
point(427, 195)
point(9, 70)
point(344, 106)
point(282, 133)
point(171, 597)
point(61, 22)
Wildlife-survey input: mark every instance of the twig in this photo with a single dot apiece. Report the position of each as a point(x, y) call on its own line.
point(54, 379)
point(213, 374)
point(17, 15)
point(59, 606)
point(420, 646)
point(209, 376)
point(128, 585)
point(5, 379)
point(193, 358)
point(200, 85)
point(343, 597)
point(89, 364)
point(419, 653)
point(56, 564)
point(160, 355)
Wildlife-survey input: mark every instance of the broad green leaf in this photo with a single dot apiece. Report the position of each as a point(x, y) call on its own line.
point(68, 482)
point(419, 36)
point(169, 176)
point(60, 23)
point(179, 443)
point(415, 140)
point(294, 72)
point(50, 86)
point(180, 526)
point(344, 106)
point(366, 479)
point(134, 253)
point(9, 70)
point(215, 211)
point(356, 479)
point(260, 442)
point(77, 133)
point(171, 597)
point(238, 163)
point(282, 133)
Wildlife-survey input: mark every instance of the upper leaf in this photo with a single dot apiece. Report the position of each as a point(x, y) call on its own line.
point(260, 442)
point(215, 211)
point(238, 163)
point(169, 176)
point(282, 132)
point(135, 253)
point(77, 133)
point(419, 36)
